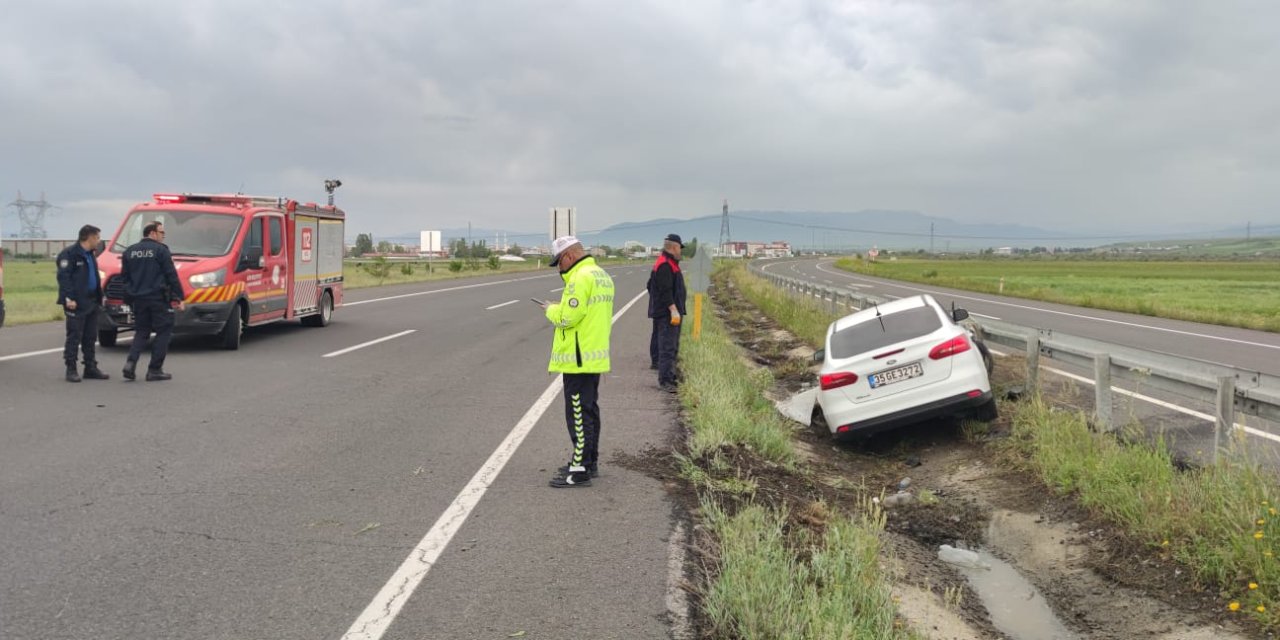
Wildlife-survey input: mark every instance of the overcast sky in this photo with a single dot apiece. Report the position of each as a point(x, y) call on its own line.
point(1079, 116)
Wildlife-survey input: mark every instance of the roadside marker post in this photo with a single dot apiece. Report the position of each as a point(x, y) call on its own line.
point(697, 316)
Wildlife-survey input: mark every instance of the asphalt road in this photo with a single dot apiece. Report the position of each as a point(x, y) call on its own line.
point(274, 492)
point(1255, 350)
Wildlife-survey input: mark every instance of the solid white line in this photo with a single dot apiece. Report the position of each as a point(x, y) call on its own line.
point(18, 356)
point(43, 352)
point(427, 293)
point(557, 289)
point(1167, 405)
point(369, 343)
point(1073, 315)
point(983, 315)
point(376, 618)
point(499, 306)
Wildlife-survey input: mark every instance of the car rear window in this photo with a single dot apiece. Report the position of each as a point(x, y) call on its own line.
point(898, 326)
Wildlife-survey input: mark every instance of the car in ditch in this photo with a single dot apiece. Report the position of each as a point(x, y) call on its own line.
point(899, 363)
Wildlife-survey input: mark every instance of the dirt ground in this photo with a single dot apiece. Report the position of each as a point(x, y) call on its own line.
point(967, 492)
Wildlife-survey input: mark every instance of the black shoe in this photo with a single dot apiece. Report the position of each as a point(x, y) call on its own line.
point(130, 366)
point(157, 376)
point(569, 480)
point(72, 374)
point(653, 367)
point(94, 373)
point(669, 387)
point(594, 472)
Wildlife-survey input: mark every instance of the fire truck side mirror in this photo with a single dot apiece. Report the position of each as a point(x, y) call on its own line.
point(251, 259)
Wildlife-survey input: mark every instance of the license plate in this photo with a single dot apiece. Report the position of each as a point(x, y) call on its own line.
point(891, 376)
point(124, 308)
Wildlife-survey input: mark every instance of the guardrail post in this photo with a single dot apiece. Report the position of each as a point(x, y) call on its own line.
point(835, 302)
point(1033, 363)
point(1102, 392)
point(1225, 416)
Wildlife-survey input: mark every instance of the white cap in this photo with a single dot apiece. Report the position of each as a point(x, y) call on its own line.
point(558, 247)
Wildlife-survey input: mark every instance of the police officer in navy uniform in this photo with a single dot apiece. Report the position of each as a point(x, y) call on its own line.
point(666, 308)
point(80, 296)
point(153, 290)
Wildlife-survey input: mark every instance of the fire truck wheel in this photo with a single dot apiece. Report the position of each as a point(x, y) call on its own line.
point(326, 312)
point(229, 337)
point(107, 337)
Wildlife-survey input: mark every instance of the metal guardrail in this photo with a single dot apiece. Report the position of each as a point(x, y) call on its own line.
point(1230, 390)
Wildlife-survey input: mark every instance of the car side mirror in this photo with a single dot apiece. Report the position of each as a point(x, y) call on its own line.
point(959, 314)
point(251, 259)
point(820, 355)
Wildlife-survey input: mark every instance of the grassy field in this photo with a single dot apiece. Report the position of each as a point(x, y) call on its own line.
point(30, 291)
point(31, 288)
point(1239, 294)
point(1220, 521)
point(772, 579)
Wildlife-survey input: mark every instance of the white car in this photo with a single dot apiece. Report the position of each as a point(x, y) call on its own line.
point(899, 363)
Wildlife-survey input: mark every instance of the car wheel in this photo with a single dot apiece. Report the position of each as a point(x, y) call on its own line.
point(987, 360)
point(326, 312)
point(107, 337)
point(987, 412)
point(229, 337)
point(818, 421)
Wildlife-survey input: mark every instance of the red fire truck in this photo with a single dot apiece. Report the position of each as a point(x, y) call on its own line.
point(243, 261)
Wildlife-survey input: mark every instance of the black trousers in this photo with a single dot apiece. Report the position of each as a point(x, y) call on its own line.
point(157, 316)
point(582, 413)
point(82, 334)
point(668, 338)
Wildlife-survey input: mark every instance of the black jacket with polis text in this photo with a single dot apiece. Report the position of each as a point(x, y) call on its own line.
point(149, 274)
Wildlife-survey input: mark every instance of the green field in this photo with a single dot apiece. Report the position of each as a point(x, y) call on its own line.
point(1239, 294)
point(31, 288)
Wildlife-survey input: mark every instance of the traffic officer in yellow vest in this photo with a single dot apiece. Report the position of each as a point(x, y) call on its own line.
point(580, 352)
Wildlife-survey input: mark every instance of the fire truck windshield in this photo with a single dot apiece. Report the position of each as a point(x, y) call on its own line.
point(187, 233)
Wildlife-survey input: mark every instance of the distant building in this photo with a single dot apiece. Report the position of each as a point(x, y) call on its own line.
point(1003, 251)
point(776, 249)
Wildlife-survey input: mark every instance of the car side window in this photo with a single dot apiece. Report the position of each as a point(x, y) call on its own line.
point(277, 235)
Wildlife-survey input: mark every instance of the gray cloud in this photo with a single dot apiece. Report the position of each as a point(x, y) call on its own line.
point(1078, 116)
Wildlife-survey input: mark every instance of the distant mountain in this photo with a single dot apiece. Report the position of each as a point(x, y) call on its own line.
point(860, 230)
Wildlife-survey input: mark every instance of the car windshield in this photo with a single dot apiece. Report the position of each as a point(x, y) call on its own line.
point(187, 233)
point(898, 326)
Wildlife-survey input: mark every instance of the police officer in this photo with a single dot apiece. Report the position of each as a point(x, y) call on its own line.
point(153, 289)
point(80, 297)
point(666, 308)
point(583, 320)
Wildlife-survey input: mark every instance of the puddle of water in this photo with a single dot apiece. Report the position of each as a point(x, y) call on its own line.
point(798, 407)
point(1016, 607)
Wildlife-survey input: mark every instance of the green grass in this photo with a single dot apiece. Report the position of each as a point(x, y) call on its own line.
point(30, 291)
point(1221, 521)
point(805, 318)
point(723, 398)
point(355, 277)
point(1240, 294)
point(765, 589)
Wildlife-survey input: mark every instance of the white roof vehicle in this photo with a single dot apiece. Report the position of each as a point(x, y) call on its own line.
point(899, 363)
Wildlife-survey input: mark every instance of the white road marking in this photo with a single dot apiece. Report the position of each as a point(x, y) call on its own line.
point(557, 289)
point(499, 306)
point(427, 293)
point(368, 344)
point(1161, 403)
point(18, 356)
point(44, 352)
point(983, 315)
point(376, 618)
point(1073, 315)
